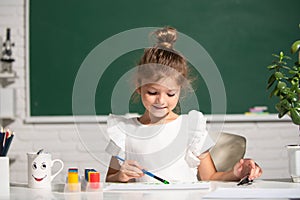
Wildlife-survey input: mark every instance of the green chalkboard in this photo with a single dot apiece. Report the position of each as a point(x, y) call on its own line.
point(238, 35)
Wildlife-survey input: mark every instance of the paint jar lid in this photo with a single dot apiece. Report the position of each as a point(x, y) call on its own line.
point(94, 177)
point(87, 171)
point(73, 169)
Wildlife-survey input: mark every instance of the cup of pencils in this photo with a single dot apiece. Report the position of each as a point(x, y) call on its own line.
point(6, 137)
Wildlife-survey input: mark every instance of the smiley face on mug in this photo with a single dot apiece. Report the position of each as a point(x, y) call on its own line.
point(41, 170)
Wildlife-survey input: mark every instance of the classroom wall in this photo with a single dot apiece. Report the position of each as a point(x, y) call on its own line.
point(265, 140)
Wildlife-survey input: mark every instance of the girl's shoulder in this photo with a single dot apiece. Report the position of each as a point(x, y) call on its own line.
point(113, 120)
point(195, 116)
point(125, 124)
point(117, 128)
point(196, 120)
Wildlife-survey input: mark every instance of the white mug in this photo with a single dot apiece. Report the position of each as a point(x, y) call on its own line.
point(40, 169)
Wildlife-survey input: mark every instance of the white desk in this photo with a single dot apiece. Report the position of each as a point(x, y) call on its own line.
point(227, 190)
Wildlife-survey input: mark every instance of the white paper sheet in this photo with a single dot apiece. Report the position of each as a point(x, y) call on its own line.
point(254, 193)
point(157, 186)
point(259, 189)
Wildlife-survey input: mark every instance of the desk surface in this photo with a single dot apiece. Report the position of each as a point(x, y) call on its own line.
point(259, 189)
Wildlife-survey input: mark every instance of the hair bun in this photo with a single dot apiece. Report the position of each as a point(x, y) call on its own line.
point(166, 37)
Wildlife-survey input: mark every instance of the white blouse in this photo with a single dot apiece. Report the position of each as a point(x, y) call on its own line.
point(168, 150)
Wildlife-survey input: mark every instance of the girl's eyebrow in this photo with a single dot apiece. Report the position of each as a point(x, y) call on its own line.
point(173, 90)
point(168, 89)
point(150, 88)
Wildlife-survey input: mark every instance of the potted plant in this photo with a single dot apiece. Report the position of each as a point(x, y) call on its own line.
point(285, 81)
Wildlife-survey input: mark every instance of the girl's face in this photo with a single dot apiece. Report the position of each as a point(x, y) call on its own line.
point(160, 98)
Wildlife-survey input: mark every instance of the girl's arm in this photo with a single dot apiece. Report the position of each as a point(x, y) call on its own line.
point(126, 172)
point(244, 167)
point(113, 170)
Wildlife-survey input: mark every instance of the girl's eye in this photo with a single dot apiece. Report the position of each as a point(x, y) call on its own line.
point(152, 93)
point(171, 95)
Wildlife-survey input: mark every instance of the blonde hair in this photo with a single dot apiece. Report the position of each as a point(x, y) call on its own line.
point(162, 59)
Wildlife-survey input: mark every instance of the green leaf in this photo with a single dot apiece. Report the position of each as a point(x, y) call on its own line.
point(295, 81)
point(275, 92)
point(294, 88)
point(281, 110)
point(281, 55)
point(285, 91)
point(293, 72)
point(271, 80)
point(286, 67)
point(295, 68)
point(297, 105)
point(278, 75)
point(271, 66)
point(277, 56)
point(286, 104)
point(293, 97)
point(295, 115)
point(281, 85)
point(280, 115)
point(295, 46)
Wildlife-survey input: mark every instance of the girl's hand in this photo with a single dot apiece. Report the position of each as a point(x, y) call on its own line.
point(247, 167)
point(130, 169)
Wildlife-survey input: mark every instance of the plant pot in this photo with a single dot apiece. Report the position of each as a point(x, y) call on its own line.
point(294, 161)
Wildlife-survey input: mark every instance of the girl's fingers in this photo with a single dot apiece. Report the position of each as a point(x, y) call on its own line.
point(259, 171)
point(127, 174)
point(131, 174)
point(132, 167)
point(250, 163)
point(255, 173)
point(240, 165)
point(247, 167)
point(133, 163)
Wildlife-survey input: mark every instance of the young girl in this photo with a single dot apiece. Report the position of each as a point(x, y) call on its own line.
point(173, 147)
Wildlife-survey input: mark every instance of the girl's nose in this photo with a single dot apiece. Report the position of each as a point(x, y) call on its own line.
point(160, 99)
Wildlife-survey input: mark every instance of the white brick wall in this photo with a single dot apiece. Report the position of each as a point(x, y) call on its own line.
point(265, 140)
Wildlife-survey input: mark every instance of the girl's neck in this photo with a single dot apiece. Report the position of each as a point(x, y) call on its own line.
point(148, 119)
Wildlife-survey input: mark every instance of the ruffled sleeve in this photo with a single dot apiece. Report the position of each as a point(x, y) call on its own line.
point(199, 140)
point(115, 133)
